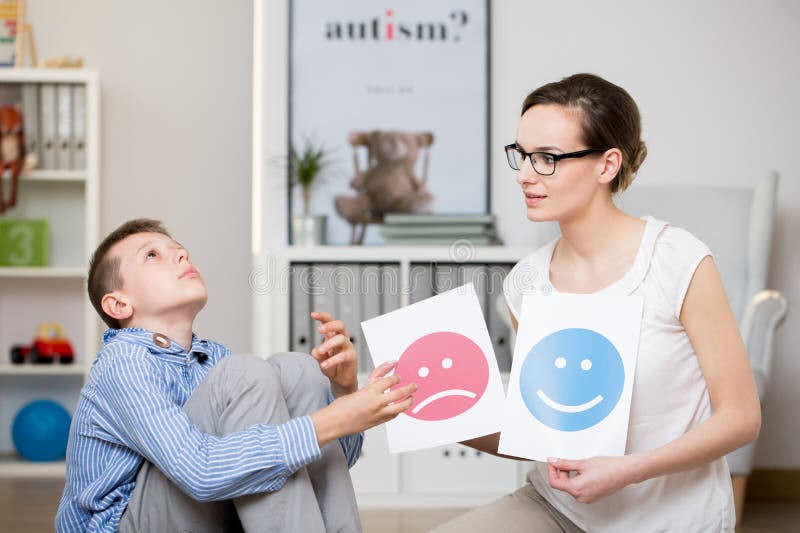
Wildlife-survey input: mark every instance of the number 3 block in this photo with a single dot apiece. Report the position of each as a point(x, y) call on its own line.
point(23, 242)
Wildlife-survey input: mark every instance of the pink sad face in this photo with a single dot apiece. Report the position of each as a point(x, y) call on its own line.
point(451, 372)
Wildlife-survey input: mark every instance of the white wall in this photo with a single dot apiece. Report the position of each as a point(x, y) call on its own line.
point(714, 80)
point(175, 80)
point(717, 84)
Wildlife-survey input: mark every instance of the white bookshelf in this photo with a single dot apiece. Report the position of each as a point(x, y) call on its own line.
point(69, 199)
point(54, 176)
point(270, 272)
point(446, 476)
point(43, 272)
point(440, 477)
point(55, 369)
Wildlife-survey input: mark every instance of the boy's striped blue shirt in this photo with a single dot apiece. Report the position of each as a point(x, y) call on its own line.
point(131, 409)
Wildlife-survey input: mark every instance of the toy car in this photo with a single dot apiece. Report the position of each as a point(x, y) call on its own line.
point(49, 344)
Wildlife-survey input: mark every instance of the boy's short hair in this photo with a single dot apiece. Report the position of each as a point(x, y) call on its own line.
point(104, 274)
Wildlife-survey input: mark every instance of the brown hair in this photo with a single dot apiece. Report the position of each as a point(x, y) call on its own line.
point(104, 275)
point(609, 118)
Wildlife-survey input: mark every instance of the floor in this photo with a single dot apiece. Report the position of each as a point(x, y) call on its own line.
point(29, 507)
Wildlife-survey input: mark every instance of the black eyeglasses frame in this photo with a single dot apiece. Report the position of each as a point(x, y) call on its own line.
point(556, 157)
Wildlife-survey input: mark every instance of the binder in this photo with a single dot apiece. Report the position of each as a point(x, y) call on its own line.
point(370, 308)
point(322, 297)
point(390, 288)
point(347, 290)
point(64, 126)
point(79, 127)
point(30, 119)
point(499, 331)
point(478, 275)
point(420, 279)
point(446, 277)
point(300, 308)
point(48, 126)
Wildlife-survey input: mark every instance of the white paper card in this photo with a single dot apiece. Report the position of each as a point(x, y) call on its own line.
point(569, 392)
point(441, 344)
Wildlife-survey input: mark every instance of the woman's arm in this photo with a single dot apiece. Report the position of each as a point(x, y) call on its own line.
point(486, 444)
point(736, 412)
point(736, 416)
point(489, 444)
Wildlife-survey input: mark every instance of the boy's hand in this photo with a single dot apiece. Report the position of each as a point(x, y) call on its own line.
point(372, 405)
point(336, 355)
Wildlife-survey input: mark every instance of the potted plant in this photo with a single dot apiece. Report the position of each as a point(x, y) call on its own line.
point(306, 166)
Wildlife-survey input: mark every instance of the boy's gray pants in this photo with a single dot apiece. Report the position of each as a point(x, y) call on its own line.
point(240, 391)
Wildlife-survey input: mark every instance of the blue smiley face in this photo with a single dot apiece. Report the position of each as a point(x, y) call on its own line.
point(572, 379)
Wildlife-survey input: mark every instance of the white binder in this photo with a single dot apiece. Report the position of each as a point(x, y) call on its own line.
point(30, 119)
point(64, 127)
point(79, 126)
point(48, 126)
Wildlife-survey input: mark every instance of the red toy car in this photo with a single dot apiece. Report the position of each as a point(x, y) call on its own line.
point(49, 344)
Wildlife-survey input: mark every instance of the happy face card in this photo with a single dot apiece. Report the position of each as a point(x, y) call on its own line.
point(443, 346)
point(572, 376)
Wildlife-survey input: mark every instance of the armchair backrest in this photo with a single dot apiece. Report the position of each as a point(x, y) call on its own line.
point(735, 223)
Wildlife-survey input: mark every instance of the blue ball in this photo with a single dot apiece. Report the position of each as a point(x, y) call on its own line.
point(40, 431)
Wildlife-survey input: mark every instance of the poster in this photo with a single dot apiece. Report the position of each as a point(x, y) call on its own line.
point(418, 67)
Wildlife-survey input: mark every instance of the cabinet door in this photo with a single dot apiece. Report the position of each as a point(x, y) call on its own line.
point(377, 471)
point(456, 469)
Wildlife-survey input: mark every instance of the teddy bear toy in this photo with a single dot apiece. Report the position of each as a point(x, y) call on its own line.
point(12, 152)
point(389, 183)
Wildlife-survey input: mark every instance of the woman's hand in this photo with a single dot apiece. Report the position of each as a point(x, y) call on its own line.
point(336, 355)
point(593, 478)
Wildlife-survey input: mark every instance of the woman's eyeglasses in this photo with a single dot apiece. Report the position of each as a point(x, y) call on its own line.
point(544, 163)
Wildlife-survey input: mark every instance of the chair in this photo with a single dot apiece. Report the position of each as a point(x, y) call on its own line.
point(737, 225)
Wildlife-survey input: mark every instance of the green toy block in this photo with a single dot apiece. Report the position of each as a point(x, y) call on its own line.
point(23, 242)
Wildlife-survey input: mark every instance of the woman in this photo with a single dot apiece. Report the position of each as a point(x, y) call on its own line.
point(694, 398)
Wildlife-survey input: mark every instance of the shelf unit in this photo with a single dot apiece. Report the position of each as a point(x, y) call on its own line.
point(439, 477)
point(270, 276)
point(69, 199)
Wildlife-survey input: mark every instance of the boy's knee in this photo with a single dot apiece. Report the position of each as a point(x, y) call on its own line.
point(248, 370)
point(298, 368)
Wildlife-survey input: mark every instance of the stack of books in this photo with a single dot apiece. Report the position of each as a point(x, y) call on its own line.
point(407, 229)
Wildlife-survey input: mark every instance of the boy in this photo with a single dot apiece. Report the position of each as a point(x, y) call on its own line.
point(173, 433)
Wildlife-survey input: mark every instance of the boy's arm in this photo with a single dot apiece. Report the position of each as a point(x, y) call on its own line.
point(338, 361)
point(351, 444)
point(258, 459)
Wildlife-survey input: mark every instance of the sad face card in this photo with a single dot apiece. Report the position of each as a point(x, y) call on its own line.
point(441, 344)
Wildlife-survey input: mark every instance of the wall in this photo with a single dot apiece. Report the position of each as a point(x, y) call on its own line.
point(717, 85)
point(716, 82)
point(176, 128)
